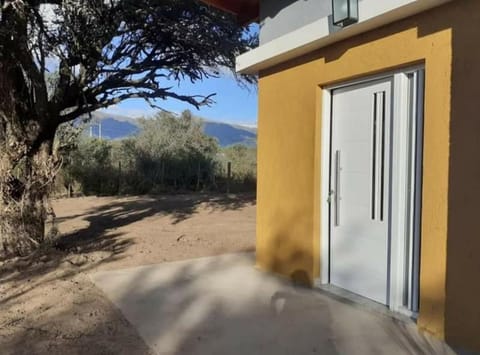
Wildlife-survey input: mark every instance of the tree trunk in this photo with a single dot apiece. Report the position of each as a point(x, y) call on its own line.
point(197, 188)
point(162, 176)
point(27, 165)
point(27, 219)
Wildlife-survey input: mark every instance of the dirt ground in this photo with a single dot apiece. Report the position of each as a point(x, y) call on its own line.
point(48, 304)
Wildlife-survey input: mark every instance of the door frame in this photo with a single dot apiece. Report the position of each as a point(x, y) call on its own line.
point(405, 192)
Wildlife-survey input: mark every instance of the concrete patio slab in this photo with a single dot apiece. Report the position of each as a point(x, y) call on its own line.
point(222, 305)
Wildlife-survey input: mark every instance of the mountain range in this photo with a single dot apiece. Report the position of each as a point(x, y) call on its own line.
point(112, 126)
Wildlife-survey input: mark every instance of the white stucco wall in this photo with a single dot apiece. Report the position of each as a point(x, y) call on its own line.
point(291, 28)
point(279, 17)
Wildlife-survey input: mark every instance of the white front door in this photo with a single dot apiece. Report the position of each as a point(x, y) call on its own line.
point(360, 188)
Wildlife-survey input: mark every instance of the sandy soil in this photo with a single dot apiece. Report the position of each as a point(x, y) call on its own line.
point(48, 304)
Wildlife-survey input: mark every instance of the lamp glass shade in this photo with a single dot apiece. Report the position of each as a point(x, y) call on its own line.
point(345, 12)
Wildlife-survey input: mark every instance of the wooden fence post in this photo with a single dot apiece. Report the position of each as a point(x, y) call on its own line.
point(229, 175)
point(119, 182)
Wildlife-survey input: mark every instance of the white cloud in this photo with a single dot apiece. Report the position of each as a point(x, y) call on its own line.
point(131, 113)
point(241, 122)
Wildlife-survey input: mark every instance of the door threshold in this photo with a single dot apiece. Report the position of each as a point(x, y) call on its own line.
point(355, 300)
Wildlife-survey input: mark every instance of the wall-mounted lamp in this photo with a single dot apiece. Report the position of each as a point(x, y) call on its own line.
point(345, 12)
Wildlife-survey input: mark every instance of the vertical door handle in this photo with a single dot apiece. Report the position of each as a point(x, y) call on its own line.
point(378, 155)
point(337, 188)
point(374, 156)
point(382, 156)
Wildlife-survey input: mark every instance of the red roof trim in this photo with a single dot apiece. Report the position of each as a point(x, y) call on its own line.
point(246, 10)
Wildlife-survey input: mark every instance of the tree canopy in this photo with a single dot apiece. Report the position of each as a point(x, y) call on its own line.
point(170, 153)
point(61, 59)
point(112, 50)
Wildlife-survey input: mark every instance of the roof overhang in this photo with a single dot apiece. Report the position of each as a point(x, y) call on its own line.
point(246, 10)
point(319, 34)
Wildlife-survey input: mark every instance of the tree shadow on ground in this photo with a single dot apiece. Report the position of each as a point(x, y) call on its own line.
point(122, 212)
point(222, 306)
point(199, 307)
point(100, 242)
point(49, 263)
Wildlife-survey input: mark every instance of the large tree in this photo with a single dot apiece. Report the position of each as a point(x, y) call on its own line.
point(62, 59)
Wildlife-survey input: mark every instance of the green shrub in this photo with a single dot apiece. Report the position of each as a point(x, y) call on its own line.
point(169, 154)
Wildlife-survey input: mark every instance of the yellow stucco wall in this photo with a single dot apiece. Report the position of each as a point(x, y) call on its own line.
point(289, 141)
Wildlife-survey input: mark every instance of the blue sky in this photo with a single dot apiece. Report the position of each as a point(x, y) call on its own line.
point(233, 103)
